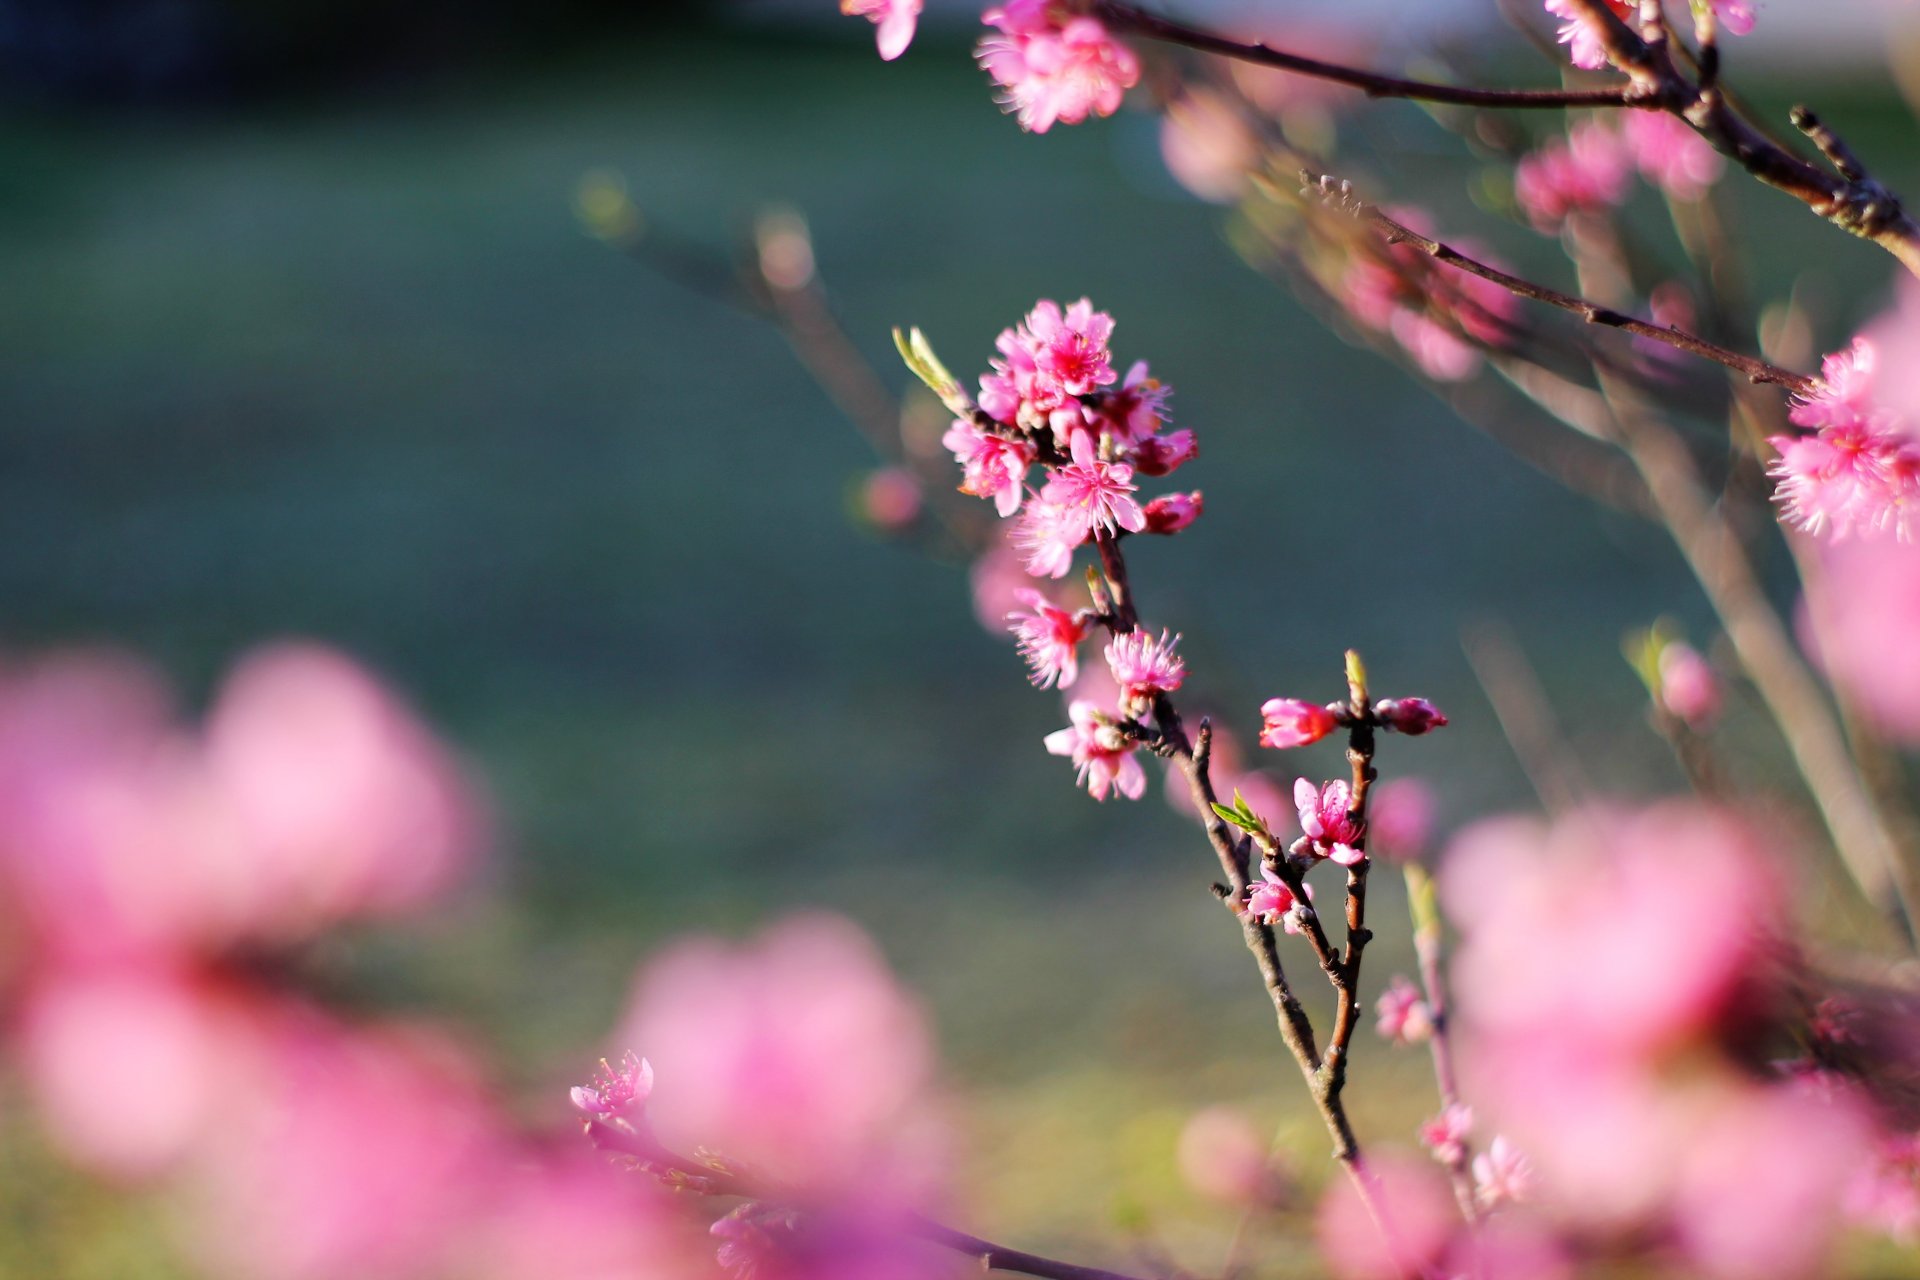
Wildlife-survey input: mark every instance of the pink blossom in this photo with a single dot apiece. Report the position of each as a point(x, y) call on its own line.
point(797, 1055)
point(1586, 48)
point(1411, 716)
point(894, 18)
point(1501, 1175)
point(1145, 667)
point(1670, 154)
point(1851, 478)
point(1271, 900)
point(1289, 722)
point(1846, 392)
point(1404, 1017)
point(1587, 170)
point(1049, 639)
point(843, 1241)
point(1736, 14)
point(1097, 493)
point(1102, 754)
point(1070, 347)
point(1442, 354)
point(1164, 455)
point(994, 466)
point(1400, 818)
point(1446, 1134)
point(1885, 1195)
point(1047, 533)
point(997, 579)
point(1172, 512)
point(1137, 410)
point(576, 1216)
point(1688, 686)
point(1325, 821)
point(1055, 66)
point(616, 1091)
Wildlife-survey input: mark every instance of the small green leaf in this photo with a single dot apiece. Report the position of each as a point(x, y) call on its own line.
point(926, 366)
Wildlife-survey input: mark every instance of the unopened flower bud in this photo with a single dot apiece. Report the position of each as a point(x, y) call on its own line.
point(1289, 722)
point(1411, 716)
point(1688, 686)
point(1173, 512)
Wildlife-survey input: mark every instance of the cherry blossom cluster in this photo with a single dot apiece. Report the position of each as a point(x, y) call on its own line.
point(1589, 169)
point(1440, 318)
point(1857, 471)
point(1054, 62)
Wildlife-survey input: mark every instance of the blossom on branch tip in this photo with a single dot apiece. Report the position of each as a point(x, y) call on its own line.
point(1404, 1017)
point(1137, 409)
point(615, 1091)
point(1670, 154)
point(1411, 716)
point(895, 20)
point(1400, 818)
point(1446, 1134)
point(1325, 821)
point(1056, 67)
point(1290, 722)
point(1587, 170)
point(1173, 512)
point(1584, 44)
point(1070, 347)
point(1271, 902)
point(993, 466)
point(1688, 686)
point(1049, 639)
point(1100, 751)
point(1144, 667)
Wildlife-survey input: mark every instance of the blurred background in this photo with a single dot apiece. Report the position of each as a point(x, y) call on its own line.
point(301, 336)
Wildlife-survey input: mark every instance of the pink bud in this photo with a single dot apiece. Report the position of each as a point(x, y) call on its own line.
point(890, 498)
point(1688, 686)
point(1289, 722)
point(1174, 512)
point(1411, 716)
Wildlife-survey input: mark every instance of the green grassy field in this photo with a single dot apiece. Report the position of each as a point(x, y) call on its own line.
point(349, 369)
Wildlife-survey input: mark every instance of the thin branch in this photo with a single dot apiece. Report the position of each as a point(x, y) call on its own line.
point(1127, 18)
point(1339, 194)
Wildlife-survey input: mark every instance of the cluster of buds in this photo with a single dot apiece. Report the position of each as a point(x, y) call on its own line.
point(1291, 722)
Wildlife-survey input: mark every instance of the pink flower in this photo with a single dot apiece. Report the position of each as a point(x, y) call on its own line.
point(1289, 722)
point(616, 1091)
point(1846, 390)
point(1400, 818)
point(1101, 753)
point(1055, 67)
point(1586, 48)
point(1736, 14)
point(1420, 1218)
point(574, 1215)
point(1325, 821)
point(797, 1055)
point(1207, 145)
point(997, 578)
point(1098, 494)
point(1223, 1157)
point(1403, 1013)
point(1164, 455)
point(1688, 686)
point(1271, 900)
point(1049, 639)
point(1173, 512)
point(1501, 1175)
point(1070, 347)
point(1670, 154)
point(1047, 533)
point(1586, 171)
point(1411, 716)
point(994, 467)
point(1851, 478)
point(894, 18)
point(1446, 1134)
point(1863, 608)
point(1136, 411)
point(1144, 667)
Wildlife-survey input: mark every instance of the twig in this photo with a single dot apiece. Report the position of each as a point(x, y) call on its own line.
point(1127, 18)
point(1525, 715)
point(1339, 194)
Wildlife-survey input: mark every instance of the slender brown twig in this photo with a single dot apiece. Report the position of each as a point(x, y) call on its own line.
point(1338, 193)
